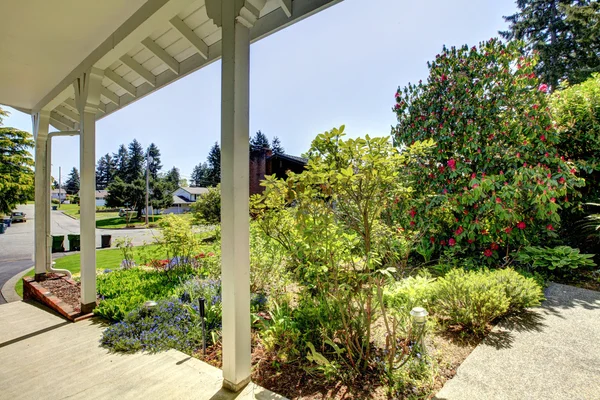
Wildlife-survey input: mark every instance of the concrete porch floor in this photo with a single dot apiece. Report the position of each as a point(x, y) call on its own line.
point(46, 357)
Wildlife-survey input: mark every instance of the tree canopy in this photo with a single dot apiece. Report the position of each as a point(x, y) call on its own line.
point(16, 174)
point(565, 33)
point(72, 183)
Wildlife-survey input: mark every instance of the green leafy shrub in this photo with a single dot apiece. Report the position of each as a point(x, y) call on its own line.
point(414, 291)
point(207, 208)
point(122, 291)
point(559, 258)
point(520, 290)
point(496, 170)
point(280, 333)
point(177, 239)
point(267, 260)
point(473, 299)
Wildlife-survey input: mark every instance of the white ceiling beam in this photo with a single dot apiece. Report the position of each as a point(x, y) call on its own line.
point(61, 122)
point(110, 95)
point(71, 103)
point(73, 116)
point(190, 36)
point(286, 6)
point(139, 69)
point(161, 54)
point(150, 17)
point(119, 80)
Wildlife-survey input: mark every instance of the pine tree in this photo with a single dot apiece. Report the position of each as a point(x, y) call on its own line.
point(135, 164)
point(214, 165)
point(155, 165)
point(565, 34)
point(277, 147)
point(121, 161)
point(200, 175)
point(72, 183)
point(173, 177)
point(259, 141)
point(16, 175)
point(104, 172)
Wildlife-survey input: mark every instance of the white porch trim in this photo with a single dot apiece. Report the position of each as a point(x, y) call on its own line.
point(41, 125)
point(88, 88)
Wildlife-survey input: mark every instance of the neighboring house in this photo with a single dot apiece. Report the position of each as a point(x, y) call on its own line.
point(59, 195)
point(263, 162)
point(100, 197)
point(183, 198)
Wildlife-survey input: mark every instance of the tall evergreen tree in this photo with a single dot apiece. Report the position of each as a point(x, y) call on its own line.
point(214, 165)
point(121, 161)
point(105, 170)
point(259, 141)
point(16, 175)
point(200, 175)
point(565, 33)
point(173, 177)
point(277, 147)
point(135, 164)
point(72, 183)
point(155, 165)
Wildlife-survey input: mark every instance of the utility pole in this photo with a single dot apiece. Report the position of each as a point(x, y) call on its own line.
point(59, 187)
point(149, 159)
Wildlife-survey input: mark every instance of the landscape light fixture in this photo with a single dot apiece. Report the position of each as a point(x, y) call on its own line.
point(419, 317)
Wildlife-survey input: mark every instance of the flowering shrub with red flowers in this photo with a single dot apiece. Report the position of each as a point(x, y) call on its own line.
point(496, 171)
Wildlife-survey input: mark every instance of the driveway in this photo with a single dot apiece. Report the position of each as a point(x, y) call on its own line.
point(16, 245)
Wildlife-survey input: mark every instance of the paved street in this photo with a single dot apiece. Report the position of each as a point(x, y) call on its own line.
point(16, 245)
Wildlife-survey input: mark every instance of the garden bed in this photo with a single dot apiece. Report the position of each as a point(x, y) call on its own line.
point(57, 292)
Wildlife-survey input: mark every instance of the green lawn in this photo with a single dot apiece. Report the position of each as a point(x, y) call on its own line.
point(111, 220)
point(105, 259)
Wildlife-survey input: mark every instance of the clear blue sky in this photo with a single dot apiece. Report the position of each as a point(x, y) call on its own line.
point(341, 66)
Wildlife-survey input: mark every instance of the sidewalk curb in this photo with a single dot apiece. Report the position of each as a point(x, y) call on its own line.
point(8, 290)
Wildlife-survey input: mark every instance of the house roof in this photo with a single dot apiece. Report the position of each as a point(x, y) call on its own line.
point(289, 157)
point(100, 194)
point(194, 190)
point(180, 200)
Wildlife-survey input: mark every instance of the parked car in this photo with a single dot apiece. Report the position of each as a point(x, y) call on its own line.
point(18, 216)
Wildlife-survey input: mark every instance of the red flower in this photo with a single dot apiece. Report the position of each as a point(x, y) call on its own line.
point(412, 213)
point(459, 230)
point(445, 191)
point(412, 223)
point(553, 200)
point(535, 106)
point(211, 254)
point(487, 253)
point(452, 164)
point(498, 200)
point(432, 239)
point(397, 107)
point(508, 230)
point(543, 88)
point(444, 78)
point(561, 180)
point(543, 138)
point(573, 170)
point(470, 241)
point(443, 242)
point(451, 242)
point(550, 227)
point(494, 246)
point(473, 175)
point(521, 225)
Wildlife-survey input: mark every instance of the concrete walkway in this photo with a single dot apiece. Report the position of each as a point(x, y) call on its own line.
point(42, 356)
point(552, 352)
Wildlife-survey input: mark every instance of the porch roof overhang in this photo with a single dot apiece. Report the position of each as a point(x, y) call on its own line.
point(140, 45)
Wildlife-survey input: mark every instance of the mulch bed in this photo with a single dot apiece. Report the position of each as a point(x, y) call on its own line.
point(297, 382)
point(64, 290)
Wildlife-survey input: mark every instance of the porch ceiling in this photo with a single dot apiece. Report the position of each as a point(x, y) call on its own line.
point(141, 46)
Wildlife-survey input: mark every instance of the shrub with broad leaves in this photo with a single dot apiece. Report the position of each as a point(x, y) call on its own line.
point(496, 174)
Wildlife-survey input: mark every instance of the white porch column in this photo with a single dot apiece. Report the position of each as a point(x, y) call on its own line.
point(87, 95)
point(235, 18)
point(41, 124)
point(49, 203)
